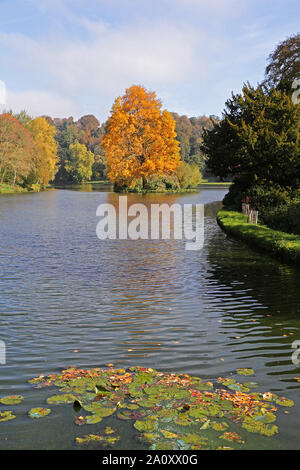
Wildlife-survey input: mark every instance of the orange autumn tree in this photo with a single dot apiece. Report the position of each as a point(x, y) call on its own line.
point(140, 140)
point(16, 150)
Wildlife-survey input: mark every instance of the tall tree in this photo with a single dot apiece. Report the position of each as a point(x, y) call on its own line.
point(258, 139)
point(140, 139)
point(189, 134)
point(284, 64)
point(80, 162)
point(16, 150)
point(66, 134)
point(45, 149)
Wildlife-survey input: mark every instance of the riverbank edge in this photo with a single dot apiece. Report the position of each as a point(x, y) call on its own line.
point(204, 184)
point(284, 246)
point(8, 189)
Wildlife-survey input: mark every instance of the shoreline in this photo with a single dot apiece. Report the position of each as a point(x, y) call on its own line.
point(282, 245)
point(6, 189)
point(9, 189)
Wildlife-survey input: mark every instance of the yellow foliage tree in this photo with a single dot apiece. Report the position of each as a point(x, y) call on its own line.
point(140, 140)
point(45, 149)
point(188, 175)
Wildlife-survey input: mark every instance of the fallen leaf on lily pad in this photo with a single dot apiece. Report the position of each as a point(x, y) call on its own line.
point(35, 380)
point(282, 401)
point(80, 421)
point(219, 426)
point(260, 428)
point(11, 400)
point(37, 413)
point(105, 441)
point(232, 436)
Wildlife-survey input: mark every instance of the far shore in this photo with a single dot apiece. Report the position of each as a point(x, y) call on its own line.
point(36, 188)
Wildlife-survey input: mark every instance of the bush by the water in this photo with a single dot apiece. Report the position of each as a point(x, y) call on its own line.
point(260, 197)
point(187, 177)
point(278, 208)
point(286, 218)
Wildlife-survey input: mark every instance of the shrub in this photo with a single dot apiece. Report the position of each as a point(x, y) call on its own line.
point(188, 175)
point(263, 198)
point(286, 218)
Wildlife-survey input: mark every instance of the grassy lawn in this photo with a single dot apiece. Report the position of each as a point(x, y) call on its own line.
point(8, 189)
point(215, 183)
point(280, 244)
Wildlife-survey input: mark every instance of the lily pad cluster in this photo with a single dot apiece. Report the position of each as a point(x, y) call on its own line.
point(9, 400)
point(167, 410)
point(107, 439)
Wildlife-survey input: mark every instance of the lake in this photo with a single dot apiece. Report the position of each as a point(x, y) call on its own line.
point(147, 303)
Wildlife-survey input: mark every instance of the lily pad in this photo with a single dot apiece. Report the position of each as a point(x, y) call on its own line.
point(12, 400)
point(169, 435)
point(93, 419)
point(37, 413)
point(232, 437)
point(195, 440)
point(252, 425)
point(146, 425)
point(61, 399)
point(219, 426)
point(109, 430)
point(245, 371)
point(6, 416)
point(100, 410)
point(282, 401)
point(106, 440)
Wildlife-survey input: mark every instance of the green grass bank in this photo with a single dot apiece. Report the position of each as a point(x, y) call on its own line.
point(15, 189)
point(284, 246)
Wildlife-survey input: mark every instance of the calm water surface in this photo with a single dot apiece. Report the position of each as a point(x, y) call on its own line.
point(148, 303)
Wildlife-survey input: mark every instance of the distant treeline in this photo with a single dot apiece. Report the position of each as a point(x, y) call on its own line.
point(46, 149)
point(89, 132)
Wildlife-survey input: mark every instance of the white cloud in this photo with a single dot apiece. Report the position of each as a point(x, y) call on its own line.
point(38, 103)
point(82, 62)
point(102, 64)
point(110, 58)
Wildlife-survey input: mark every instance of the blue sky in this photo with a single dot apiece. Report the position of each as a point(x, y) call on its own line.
point(73, 57)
